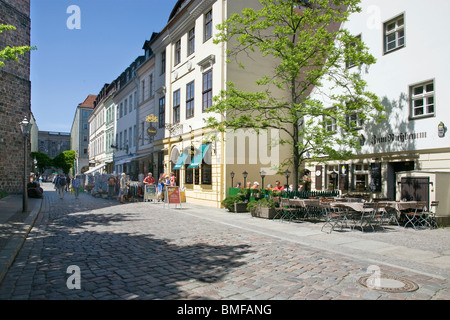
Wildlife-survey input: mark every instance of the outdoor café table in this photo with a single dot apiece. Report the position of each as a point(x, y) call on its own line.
point(400, 206)
point(356, 211)
point(306, 204)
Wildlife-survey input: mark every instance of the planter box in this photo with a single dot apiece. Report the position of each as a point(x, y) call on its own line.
point(240, 207)
point(264, 213)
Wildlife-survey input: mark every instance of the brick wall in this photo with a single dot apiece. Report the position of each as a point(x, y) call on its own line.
point(15, 95)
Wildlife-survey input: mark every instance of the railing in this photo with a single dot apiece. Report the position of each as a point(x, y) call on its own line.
point(254, 194)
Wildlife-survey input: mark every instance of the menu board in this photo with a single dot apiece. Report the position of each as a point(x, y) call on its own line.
point(173, 195)
point(375, 174)
point(150, 193)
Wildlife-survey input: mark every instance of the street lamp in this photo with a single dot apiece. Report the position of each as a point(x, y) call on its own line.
point(263, 174)
point(245, 174)
point(232, 177)
point(287, 173)
point(25, 126)
point(334, 175)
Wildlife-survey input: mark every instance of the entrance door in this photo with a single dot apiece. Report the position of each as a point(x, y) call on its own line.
point(392, 169)
point(415, 189)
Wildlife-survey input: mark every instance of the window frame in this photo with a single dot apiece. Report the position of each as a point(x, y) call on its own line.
point(190, 95)
point(191, 42)
point(162, 112)
point(177, 53)
point(424, 96)
point(176, 106)
point(395, 31)
point(208, 25)
point(207, 91)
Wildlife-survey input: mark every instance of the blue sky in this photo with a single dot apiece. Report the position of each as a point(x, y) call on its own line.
point(71, 64)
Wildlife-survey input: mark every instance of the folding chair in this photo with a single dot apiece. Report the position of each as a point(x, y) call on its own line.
point(428, 218)
point(378, 215)
point(288, 211)
point(278, 208)
point(366, 215)
point(415, 217)
point(333, 216)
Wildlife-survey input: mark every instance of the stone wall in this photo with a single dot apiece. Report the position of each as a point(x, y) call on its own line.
point(15, 95)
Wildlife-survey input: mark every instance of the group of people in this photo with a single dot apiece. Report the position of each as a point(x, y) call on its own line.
point(278, 186)
point(64, 184)
point(164, 180)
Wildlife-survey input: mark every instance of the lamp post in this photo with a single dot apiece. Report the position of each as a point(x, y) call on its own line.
point(334, 175)
point(245, 174)
point(263, 175)
point(25, 126)
point(287, 173)
point(232, 177)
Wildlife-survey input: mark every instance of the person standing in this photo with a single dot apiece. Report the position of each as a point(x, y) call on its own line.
point(60, 185)
point(76, 186)
point(149, 179)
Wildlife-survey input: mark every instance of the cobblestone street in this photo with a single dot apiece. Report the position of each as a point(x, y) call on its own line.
point(146, 251)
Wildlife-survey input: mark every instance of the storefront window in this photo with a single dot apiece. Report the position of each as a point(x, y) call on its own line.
point(361, 176)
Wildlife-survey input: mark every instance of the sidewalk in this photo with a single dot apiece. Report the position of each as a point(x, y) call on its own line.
point(14, 227)
point(422, 251)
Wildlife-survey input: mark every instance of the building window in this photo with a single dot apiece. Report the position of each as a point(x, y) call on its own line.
point(135, 138)
point(394, 34)
point(208, 25)
point(143, 90)
point(422, 100)
point(349, 63)
point(125, 107)
point(191, 41)
point(361, 176)
point(121, 110)
point(162, 112)
point(131, 103)
point(190, 100)
point(176, 106)
point(163, 62)
point(354, 121)
point(151, 85)
point(189, 174)
point(177, 52)
point(207, 90)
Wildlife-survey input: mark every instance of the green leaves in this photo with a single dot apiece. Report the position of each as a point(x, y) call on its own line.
point(11, 53)
point(312, 53)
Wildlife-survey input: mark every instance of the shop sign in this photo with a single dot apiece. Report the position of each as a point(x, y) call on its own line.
point(402, 137)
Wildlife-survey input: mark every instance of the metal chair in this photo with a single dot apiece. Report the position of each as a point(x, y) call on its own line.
point(278, 208)
point(428, 218)
point(334, 216)
point(288, 211)
point(364, 218)
point(415, 217)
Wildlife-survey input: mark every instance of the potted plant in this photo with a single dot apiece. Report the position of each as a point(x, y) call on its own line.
point(264, 208)
point(360, 186)
point(236, 203)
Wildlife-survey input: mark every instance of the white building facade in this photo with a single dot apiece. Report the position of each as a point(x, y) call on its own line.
point(403, 156)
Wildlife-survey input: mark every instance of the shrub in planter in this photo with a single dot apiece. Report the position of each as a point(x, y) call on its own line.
point(264, 208)
point(229, 201)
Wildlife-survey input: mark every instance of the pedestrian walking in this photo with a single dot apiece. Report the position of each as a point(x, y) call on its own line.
point(60, 185)
point(123, 188)
point(76, 183)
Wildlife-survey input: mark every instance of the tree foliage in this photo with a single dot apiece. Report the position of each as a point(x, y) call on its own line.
point(11, 53)
point(43, 160)
point(312, 52)
point(64, 161)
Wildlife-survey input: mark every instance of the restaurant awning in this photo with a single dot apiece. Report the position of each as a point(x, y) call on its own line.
point(95, 168)
point(199, 157)
point(180, 162)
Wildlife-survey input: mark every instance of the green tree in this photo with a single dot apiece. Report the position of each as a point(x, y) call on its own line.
point(10, 53)
point(43, 161)
point(64, 161)
point(309, 48)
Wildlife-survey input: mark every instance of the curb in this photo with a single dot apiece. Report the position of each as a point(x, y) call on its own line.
point(12, 248)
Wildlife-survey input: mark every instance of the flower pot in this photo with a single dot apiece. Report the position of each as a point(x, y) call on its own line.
point(264, 213)
point(240, 207)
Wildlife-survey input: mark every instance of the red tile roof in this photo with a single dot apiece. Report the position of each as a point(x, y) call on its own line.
point(89, 102)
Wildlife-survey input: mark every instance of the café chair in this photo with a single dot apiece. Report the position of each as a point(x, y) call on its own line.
point(415, 217)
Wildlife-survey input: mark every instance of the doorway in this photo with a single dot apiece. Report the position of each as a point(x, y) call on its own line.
point(416, 189)
point(391, 177)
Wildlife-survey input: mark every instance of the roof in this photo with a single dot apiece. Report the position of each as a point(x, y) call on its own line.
point(89, 102)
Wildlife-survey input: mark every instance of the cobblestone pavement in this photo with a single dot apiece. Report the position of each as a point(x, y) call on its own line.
point(146, 251)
